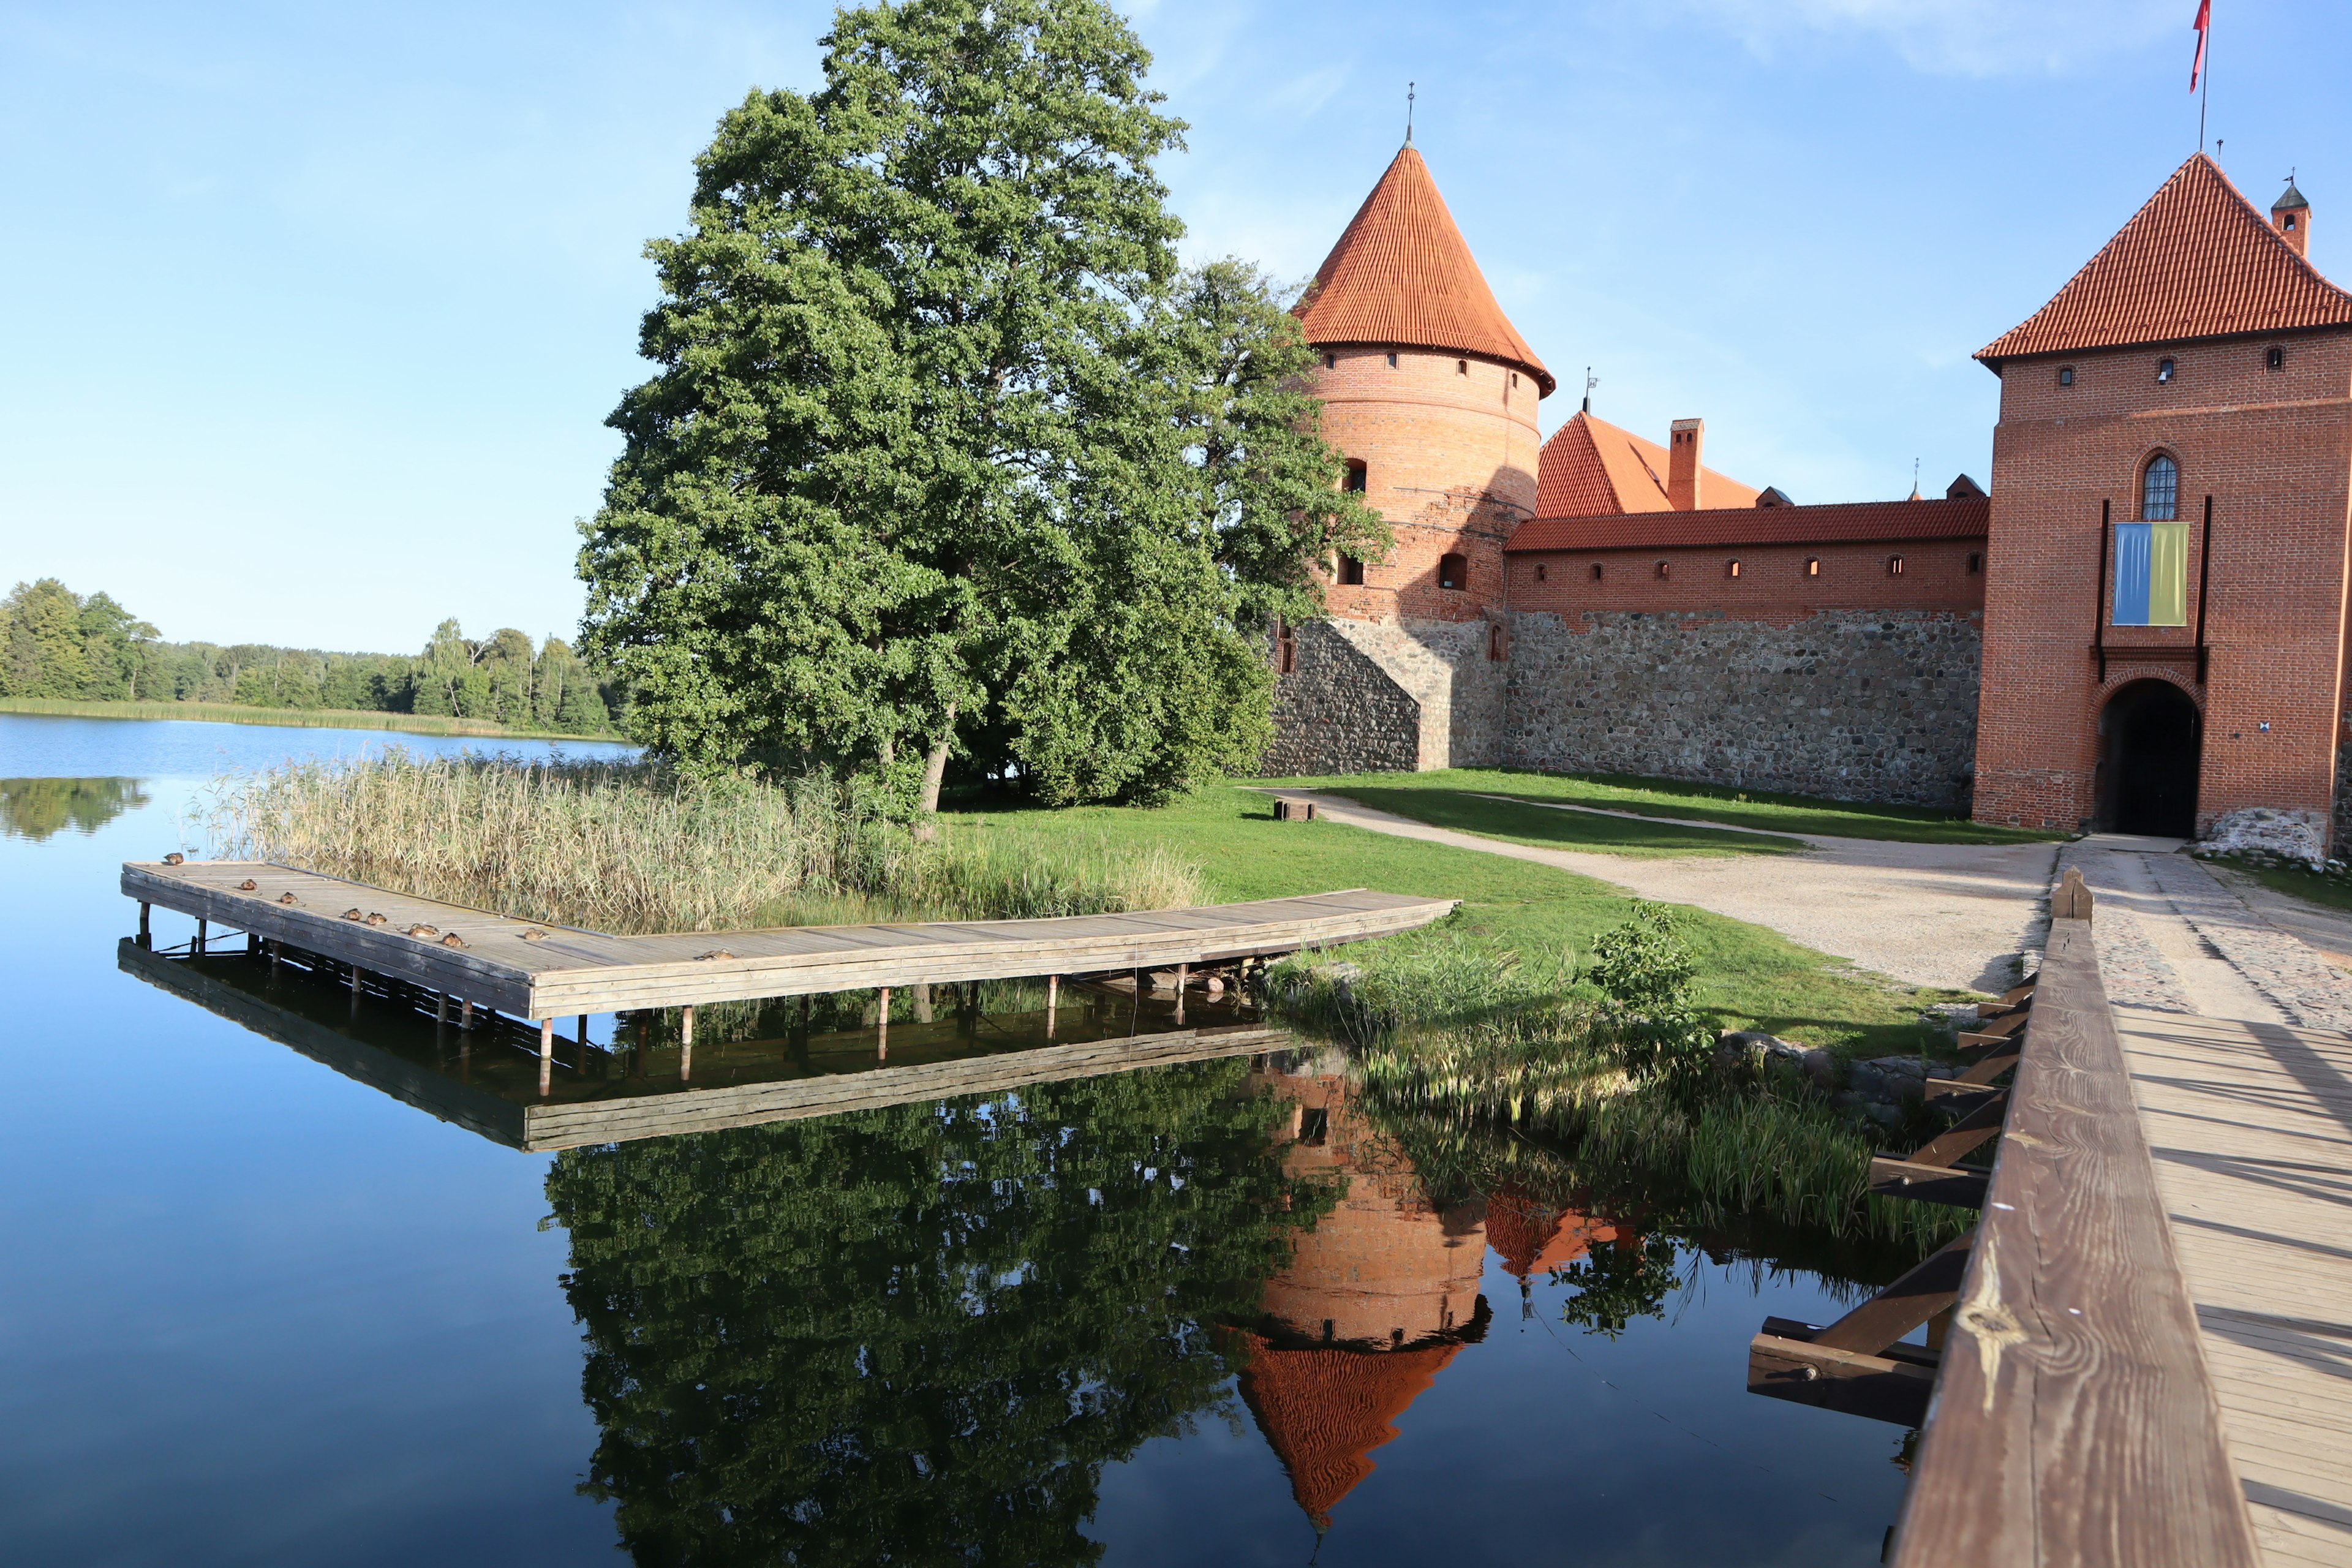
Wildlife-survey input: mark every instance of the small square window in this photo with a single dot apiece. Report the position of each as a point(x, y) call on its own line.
point(1733, 571)
point(1331, 362)
point(2066, 376)
point(1812, 566)
point(2163, 370)
point(1661, 572)
point(1392, 362)
point(2274, 357)
point(1454, 571)
point(1895, 566)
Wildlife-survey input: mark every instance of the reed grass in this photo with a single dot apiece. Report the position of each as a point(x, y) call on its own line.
point(632, 848)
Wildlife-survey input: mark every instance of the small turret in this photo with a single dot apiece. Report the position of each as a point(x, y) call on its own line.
point(2291, 216)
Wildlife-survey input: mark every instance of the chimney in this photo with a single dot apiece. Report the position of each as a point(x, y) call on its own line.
point(2291, 216)
point(1683, 490)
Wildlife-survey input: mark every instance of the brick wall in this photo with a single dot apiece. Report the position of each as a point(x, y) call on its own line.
point(2273, 448)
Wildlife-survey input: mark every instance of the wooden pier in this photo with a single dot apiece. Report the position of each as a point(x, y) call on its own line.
point(540, 971)
point(484, 1084)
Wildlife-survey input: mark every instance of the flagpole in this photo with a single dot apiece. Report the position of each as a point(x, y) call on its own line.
point(2205, 76)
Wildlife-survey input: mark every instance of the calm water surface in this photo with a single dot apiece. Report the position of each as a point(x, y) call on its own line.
point(258, 1312)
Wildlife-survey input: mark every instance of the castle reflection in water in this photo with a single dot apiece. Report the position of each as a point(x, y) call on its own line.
point(1382, 1294)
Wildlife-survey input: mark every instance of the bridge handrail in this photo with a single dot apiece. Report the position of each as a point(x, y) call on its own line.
point(2073, 1420)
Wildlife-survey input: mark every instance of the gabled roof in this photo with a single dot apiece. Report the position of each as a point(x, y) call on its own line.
point(2198, 262)
point(1590, 467)
point(1846, 524)
point(1403, 274)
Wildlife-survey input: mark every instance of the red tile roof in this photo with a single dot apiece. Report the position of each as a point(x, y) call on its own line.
point(1403, 274)
point(1757, 525)
point(1590, 467)
point(2198, 262)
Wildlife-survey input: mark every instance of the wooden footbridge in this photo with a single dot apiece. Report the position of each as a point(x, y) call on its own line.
point(2141, 1352)
point(540, 971)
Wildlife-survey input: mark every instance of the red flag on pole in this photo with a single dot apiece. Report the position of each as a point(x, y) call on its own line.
point(2204, 20)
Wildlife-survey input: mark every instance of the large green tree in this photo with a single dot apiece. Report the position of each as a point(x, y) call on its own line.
point(924, 460)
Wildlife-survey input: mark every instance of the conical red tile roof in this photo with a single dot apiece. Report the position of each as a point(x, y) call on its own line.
point(2198, 262)
point(1403, 274)
point(1323, 1411)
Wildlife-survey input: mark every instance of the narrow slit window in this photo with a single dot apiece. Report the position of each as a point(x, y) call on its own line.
point(1454, 571)
point(1461, 367)
point(1661, 570)
point(1976, 562)
point(1812, 565)
point(1732, 570)
point(1895, 566)
point(1392, 362)
point(1285, 649)
point(1495, 642)
point(1331, 362)
point(1596, 570)
point(1539, 571)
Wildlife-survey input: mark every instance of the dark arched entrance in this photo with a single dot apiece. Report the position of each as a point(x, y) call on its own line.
point(2149, 744)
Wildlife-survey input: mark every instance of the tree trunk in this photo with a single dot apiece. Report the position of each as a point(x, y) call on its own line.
point(935, 769)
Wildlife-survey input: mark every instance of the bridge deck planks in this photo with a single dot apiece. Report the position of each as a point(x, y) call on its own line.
point(573, 971)
point(2250, 1125)
point(2074, 1420)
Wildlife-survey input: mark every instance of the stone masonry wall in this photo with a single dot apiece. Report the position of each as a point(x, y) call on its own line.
point(1851, 704)
point(1339, 713)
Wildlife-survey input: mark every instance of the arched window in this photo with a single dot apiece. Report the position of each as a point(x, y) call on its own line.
point(1354, 483)
point(1895, 566)
point(1351, 571)
point(1812, 565)
point(1733, 570)
point(1461, 367)
point(2159, 489)
point(1662, 571)
point(1494, 647)
point(1454, 571)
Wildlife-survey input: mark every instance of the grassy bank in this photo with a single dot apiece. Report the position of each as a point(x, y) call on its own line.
point(291, 718)
point(1534, 916)
point(1757, 809)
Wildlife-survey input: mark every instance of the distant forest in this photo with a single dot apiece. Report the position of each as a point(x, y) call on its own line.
point(55, 643)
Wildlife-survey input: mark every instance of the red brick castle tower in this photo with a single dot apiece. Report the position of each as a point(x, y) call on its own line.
point(1430, 394)
point(2164, 628)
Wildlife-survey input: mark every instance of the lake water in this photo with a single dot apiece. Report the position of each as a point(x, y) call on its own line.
point(257, 1312)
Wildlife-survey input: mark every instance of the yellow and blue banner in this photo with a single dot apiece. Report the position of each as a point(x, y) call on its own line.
point(2151, 574)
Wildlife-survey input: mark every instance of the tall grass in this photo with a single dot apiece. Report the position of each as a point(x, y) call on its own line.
point(632, 847)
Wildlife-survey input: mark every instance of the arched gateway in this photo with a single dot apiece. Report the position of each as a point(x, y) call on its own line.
point(2150, 740)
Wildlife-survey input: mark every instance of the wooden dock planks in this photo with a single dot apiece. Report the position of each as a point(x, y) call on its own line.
point(560, 971)
point(2250, 1126)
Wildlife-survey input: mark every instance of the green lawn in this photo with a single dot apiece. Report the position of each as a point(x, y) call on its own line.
point(2309, 886)
point(1549, 827)
point(1749, 977)
point(1700, 803)
point(295, 718)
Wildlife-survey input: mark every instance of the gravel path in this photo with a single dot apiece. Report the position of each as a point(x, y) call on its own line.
point(1953, 915)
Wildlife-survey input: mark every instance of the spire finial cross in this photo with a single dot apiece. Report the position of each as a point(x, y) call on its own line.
point(1408, 111)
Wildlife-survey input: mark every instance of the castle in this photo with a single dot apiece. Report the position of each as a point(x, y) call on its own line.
point(2141, 626)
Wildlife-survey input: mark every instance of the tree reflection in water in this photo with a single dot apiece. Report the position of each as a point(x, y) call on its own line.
point(917, 1334)
point(39, 809)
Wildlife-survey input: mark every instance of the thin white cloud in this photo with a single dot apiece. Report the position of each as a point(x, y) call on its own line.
point(1965, 37)
point(1306, 94)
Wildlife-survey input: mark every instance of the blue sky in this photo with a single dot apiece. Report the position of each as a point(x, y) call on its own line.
point(315, 312)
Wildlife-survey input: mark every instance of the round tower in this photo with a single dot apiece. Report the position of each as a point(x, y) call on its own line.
point(1430, 394)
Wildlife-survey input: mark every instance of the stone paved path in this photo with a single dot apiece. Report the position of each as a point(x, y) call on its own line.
point(2173, 938)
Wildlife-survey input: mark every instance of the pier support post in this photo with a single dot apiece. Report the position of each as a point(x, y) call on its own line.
point(584, 1042)
point(1183, 975)
point(277, 956)
point(441, 1008)
point(200, 936)
point(465, 1015)
point(546, 1055)
point(882, 1036)
point(146, 935)
point(252, 944)
point(1053, 999)
point(357, 974)
point(686, 1045)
